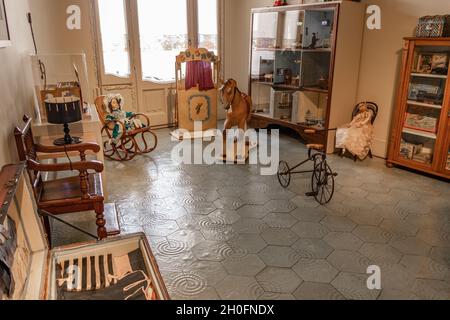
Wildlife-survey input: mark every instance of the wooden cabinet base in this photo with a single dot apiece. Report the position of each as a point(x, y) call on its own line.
point(431, 172)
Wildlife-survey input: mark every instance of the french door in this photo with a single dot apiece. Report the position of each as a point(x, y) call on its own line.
point(138, 41)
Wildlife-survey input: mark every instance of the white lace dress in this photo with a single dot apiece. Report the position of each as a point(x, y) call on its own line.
point(357, 136)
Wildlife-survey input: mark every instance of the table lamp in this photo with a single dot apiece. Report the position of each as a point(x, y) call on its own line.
point(64, 111)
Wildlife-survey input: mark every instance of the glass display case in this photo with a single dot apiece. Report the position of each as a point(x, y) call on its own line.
point(291, 50)
point(422, 113)
point(293, 78)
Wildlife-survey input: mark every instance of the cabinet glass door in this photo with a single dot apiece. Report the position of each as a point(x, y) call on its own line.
point(425, 101)
point(446, 155)
point(288, 57)
point(293, 29)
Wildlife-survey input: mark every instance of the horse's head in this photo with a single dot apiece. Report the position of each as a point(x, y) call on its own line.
point(228, 93)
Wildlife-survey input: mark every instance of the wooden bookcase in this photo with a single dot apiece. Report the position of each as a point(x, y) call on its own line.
point(420, 137)
point(296, 85)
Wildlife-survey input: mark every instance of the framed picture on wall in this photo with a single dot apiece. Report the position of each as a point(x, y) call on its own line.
point(5, 39)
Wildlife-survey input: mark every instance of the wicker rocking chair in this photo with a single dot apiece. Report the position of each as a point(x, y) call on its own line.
point(130, 143)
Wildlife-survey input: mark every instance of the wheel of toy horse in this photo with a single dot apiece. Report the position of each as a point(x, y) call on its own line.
point(284, 174)
point(322, 183)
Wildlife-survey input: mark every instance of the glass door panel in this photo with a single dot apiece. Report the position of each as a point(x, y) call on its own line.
point(293, 29)
point(423, 111)
point(162, 37)
point(208, 25)
point(318, 29)
point(318, 37)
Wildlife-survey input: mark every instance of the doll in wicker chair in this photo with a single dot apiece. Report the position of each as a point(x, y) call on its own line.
point(357, 136)
point(114, 102)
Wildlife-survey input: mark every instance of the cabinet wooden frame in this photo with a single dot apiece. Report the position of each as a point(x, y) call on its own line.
point(441, 147)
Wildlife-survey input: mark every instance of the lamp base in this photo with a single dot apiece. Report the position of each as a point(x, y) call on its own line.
point(63, 142)
point(67, 140)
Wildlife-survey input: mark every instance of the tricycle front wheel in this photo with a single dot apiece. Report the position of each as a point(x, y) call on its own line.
point(284, 174)
point(322, 183)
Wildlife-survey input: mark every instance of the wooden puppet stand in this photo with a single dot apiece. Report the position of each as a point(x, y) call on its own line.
point(197, 105)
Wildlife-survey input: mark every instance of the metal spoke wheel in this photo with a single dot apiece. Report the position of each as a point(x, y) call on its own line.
point(284, 174)
point(323, 183)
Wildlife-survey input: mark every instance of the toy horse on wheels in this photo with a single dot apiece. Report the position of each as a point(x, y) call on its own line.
point(239, 108)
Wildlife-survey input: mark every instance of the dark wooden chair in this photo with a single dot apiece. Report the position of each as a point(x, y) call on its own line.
point(66, 195)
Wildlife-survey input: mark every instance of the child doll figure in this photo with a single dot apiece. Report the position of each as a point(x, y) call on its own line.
point(115, 103)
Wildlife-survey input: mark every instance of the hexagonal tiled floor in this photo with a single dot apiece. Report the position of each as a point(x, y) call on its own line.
point(278, 280)
point(343, 241)
point(310, 230)
point(317, 291)
point(280, 206)
point(249, 265)
point(312, 249)
point(226, 232)
point(313, 270)
point(279, 237)
point(353, 286)
point(284, 257)
point(237, 288)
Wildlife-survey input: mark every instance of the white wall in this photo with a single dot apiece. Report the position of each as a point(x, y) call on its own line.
point(16, 86)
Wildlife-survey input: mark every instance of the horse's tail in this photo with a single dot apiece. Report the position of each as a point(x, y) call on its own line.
point(249, 103)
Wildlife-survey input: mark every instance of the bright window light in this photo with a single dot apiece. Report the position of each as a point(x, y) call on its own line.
point(113, 28)
point(164, 34)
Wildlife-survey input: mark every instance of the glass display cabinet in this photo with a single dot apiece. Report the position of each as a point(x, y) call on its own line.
point(420, 135)
point(296, 64)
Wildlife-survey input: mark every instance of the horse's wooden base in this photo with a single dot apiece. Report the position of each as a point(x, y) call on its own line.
point(233, 155)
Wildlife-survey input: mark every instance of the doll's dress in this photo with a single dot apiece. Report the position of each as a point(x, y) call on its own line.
point(126, 118)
